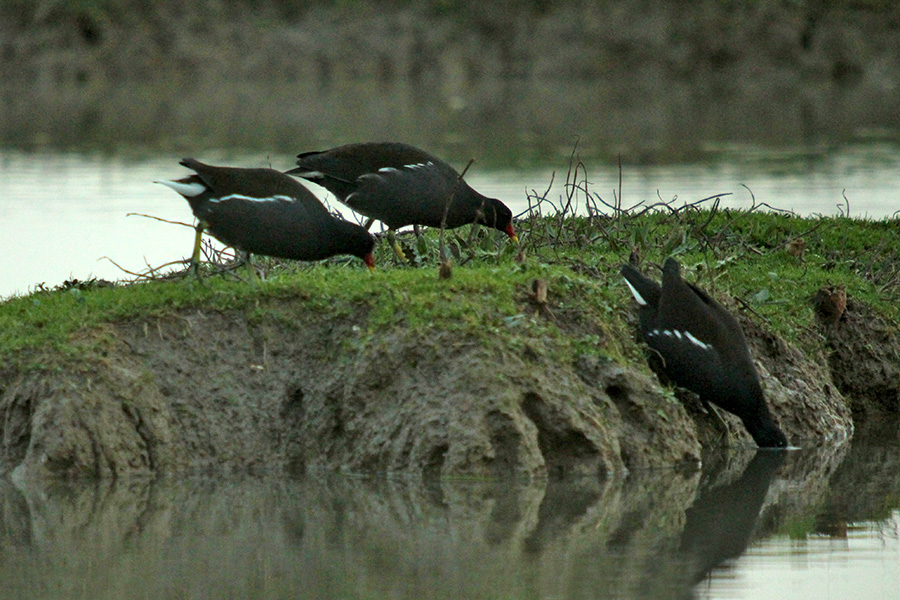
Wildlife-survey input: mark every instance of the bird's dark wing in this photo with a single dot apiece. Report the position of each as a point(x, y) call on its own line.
point(339, 169)
point(685, 307)
point(412, 194)
point(281, 226)
point(254, 184)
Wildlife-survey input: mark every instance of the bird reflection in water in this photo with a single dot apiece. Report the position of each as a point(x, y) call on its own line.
point(721, 523)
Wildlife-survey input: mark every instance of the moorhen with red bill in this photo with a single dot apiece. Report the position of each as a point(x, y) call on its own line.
point(401, 185)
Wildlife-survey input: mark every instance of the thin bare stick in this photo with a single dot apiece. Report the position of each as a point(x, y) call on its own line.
point(618, 198)
point(147, 274)
point(442, 250)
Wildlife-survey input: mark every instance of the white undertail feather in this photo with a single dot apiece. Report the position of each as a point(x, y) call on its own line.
point(310, 175)
point(188, 190)
point(638, 298)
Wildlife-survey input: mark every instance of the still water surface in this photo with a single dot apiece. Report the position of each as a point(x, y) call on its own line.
point(65, 215)
point(815, 524)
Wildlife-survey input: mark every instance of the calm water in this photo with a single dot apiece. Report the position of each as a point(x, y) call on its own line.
point(65, 215)
point(812, 524)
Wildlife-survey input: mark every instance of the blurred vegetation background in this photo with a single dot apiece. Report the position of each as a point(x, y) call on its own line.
point(658, 80)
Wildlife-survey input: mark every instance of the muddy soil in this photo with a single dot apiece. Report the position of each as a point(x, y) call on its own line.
point(864, 358)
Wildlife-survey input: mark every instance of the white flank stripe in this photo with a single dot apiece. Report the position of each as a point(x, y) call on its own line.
point(276, 198)
point(667, 332)
point(637, 297)
point(188, 190)
point(388, 170)
point(418, 165)
point(310, 175)
point(695, 341)
point(677, 334)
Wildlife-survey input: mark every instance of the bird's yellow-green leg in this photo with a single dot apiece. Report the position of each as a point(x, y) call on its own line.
point(194, 267)
point(396, 246)
point(254, 276)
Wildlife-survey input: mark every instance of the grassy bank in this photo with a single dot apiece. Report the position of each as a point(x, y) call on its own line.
point(772, 263)
point(482, 299)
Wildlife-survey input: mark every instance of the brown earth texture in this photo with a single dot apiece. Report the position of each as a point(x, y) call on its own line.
point(206, 390)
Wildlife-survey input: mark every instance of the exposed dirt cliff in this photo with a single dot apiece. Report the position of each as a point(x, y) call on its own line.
point(208, 389)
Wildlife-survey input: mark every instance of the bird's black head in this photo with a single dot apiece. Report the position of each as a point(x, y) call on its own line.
point(748, 402)
point(354, 240)
point(497, 215)
point(364, 246)
point(770, 436)
point(764, 431)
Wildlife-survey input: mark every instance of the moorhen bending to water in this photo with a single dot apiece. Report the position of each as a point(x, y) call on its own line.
point(702, 348)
